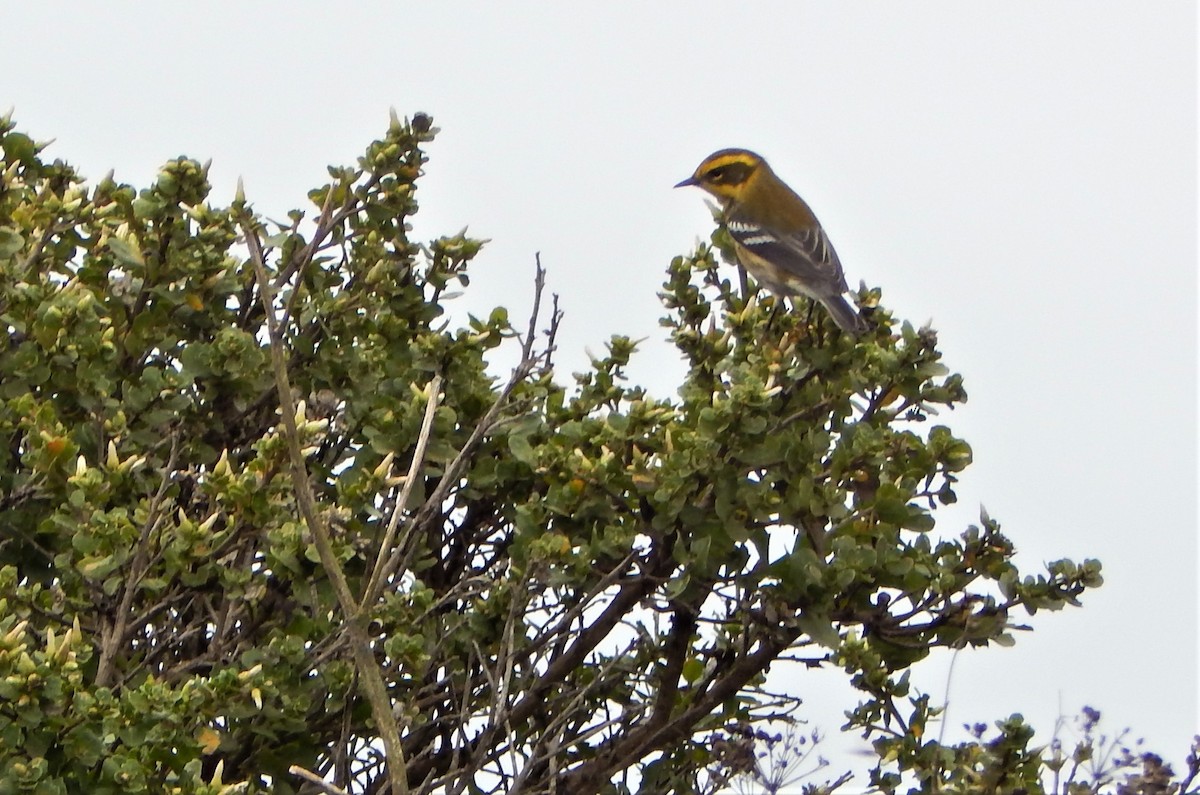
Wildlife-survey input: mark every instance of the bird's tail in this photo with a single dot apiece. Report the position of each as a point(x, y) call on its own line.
point(845, 315)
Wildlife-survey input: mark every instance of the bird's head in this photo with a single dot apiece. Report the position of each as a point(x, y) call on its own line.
point(727, 173)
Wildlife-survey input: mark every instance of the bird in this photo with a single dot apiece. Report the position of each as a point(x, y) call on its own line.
point(776, 236)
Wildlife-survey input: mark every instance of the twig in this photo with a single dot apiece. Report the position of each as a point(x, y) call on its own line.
point(137, 568)
point(632, 592)
point(944, 718)
point(482, 428)
point(364, 659)
point(313, 778)
point(376, 583)
point(501, 680)
point(326, 221)
point(556, 316)
point(564, 622)
point(24, 266)
point(462, 721)
point(653, 734)
point(556, 730)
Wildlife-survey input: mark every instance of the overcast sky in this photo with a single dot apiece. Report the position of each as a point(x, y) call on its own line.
point(1022, 173)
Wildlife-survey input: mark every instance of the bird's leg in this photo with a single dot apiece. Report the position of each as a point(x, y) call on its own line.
point(777, 304)
point(814, 329)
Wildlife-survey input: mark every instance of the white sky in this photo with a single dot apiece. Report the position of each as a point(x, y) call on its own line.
point(1024, 174)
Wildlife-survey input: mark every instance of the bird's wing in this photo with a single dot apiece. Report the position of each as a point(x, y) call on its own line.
point(807, 254)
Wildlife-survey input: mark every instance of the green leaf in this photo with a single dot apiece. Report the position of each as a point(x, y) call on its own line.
point(522, 450)
point(799, 571)
point(10, 241)
point(19, 147)
point(819, 627)
point(918, 520)
point(125, 253)
point(97, 566)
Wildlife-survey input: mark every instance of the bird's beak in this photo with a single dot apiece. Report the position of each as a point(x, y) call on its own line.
point(686, 182)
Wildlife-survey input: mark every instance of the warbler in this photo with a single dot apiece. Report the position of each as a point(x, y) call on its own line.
point(775, 234)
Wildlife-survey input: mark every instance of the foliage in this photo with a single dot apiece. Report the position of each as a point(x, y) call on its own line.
point(773, 763)
point(996, 761)
point(264, 505)
point(1098, 761)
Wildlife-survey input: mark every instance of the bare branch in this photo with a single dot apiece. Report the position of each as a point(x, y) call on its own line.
point(376, 583)
point(655, 733)
point(433, 504)
point(364, 659)
point(115, 638)
point(313, 778)
point(325, 223)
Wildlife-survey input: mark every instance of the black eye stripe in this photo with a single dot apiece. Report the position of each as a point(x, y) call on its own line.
point(729, 173)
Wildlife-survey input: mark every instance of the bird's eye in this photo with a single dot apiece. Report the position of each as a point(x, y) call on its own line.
point(717, 174)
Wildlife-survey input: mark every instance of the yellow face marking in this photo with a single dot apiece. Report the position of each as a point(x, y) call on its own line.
point(723, 173)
